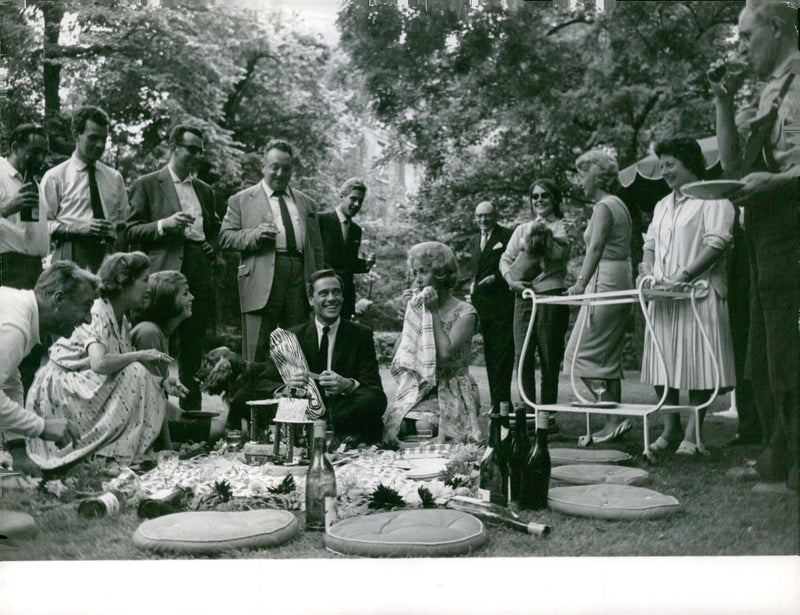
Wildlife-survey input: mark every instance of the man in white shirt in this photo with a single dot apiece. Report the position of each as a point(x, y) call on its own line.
point(85, 199)
point(61, 300)
point(24, 237)
point(275, 229)
point(173, 220)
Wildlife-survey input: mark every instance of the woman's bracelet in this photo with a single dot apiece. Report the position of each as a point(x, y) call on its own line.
point(163, 380)
point(580, 277)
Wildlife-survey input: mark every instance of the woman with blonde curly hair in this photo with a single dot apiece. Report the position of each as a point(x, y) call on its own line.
point(606, 267)
point(97, 380)
point(431, 366)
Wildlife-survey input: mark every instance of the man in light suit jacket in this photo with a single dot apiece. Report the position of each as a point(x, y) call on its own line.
point(346, 365)
point(276, 232)
point(173, 219)
point(341, 240)
point(493, 301)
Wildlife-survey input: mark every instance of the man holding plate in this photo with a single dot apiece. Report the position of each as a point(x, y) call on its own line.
point(765, 153)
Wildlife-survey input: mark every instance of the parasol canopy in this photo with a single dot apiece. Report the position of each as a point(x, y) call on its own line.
point(643, 186)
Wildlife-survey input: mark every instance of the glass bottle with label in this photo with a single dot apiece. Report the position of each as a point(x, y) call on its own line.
point(493, 483)
point(320, 485)
point(520, 450)
point(536, 479)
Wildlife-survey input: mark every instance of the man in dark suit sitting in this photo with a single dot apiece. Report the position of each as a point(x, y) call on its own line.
point(341, 354)
point(493, 301)
point(341, 240)
point(173, 219)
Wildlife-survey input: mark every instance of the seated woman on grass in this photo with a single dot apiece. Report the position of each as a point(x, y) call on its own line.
point(169, 303)
point(96, 379)
point(431, 366)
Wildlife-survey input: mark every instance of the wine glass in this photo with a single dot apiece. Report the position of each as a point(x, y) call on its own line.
point(167, 464)
point(598, 388)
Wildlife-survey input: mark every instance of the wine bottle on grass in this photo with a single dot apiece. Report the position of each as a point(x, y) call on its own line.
point(494, 513)
point(536, 479)
point(320, 485)
point(520, 449)
point(493, 483)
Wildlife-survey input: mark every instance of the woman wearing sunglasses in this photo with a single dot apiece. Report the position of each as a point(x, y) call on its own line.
point(546, 237)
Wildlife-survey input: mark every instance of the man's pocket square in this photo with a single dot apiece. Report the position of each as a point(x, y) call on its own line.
point(497, 246)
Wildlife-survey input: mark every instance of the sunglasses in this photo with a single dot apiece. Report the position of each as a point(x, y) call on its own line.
point(535, 196)
point(194, 150)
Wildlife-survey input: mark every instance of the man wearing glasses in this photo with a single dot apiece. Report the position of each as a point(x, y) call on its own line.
point(173, 220)
point(85, 199)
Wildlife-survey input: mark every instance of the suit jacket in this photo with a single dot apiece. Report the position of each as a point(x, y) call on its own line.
point(353, 356)
point(495, 299)
point(341, 255)
point(246, 210)
point(153, 198)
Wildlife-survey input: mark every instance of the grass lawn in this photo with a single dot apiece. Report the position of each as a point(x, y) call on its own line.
point(718, 516)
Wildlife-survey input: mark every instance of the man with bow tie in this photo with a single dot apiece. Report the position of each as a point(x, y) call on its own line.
point(494, 302)
point(85, 199)
point(275, 229)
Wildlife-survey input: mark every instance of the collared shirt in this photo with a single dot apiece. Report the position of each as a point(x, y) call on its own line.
point(30, 238)
point(19, 333)
point(344, 223)
point(298, 224)
point(785, 145)
point(65, 193)
point(190, 204)
point(334, 328)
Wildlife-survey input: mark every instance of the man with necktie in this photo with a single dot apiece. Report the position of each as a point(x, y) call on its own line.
point(275, 229)
point(341, 240)
point(173, 220)
point(493, 301)
point(85, 199)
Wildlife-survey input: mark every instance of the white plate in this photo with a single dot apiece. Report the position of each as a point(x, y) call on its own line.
point(595, 404)
point(423, 469)
point(714, 189)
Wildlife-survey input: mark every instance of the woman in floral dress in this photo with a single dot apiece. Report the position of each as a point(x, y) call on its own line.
point(96, 379)
point(431, 364)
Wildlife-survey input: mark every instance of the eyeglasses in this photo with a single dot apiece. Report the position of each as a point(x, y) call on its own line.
point(194, 150)
point(535, 196)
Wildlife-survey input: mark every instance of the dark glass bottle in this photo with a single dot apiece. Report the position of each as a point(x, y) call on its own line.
point(520, 449)
point(536, 479)
point(320, 485)
point(164, 502)
point(493, 485)
point(506, 438)
point(108, 504)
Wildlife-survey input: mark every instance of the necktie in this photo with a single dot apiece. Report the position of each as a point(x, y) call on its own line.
point(345, 228)
point(323, 348)
point(94, 194)
point(484, 238)
point(288, 227)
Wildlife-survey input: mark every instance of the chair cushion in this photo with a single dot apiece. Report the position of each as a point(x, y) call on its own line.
point(212, 531)
point(592, 474)
point(15, 524)
point(611, 502)
point(565, 456)
point(407, 533)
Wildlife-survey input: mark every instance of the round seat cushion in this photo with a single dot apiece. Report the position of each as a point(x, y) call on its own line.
point(565, 456)
point(596, 473)
point(407, 533)
point(15, 524)
point(611, 502)
point(212, 531)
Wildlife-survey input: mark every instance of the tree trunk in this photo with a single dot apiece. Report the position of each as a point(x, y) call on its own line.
point(53, 13)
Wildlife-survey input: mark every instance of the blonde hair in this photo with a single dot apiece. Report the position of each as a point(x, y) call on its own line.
point(605, 161)
point(439, 258)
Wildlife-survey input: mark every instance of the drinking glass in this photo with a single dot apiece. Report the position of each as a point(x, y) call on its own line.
point(599, 387)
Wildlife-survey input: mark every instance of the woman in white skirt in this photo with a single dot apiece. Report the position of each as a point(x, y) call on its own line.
point(687, 241)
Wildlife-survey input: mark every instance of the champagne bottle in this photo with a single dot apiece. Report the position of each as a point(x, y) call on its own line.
point(536, 479)
point(164, 502)
point(493, 485)
point(520, 449)
point(320, 485)
point(506, 438)
point(493, 513)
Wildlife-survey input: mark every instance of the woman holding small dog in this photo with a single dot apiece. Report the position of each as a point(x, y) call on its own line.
point(431, 366)
point(686, 242)
point(100, 382)
point(536, 258)
point(606, 267)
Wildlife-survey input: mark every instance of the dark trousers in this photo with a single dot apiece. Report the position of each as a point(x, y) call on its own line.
point(86, 252)
point(550, 329)
point(739, 311)
point(191, 333)
point(287, 305)
point(773, 351)
point(359, 414)
point(498, 350)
